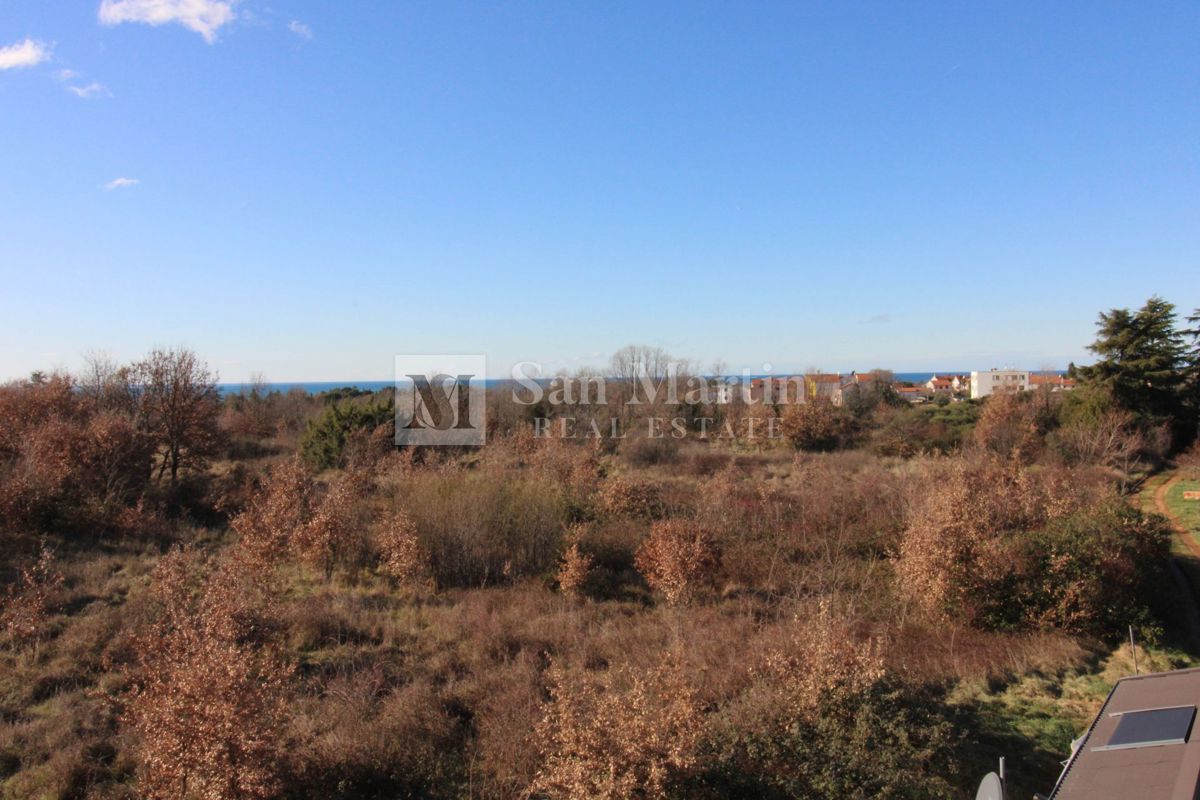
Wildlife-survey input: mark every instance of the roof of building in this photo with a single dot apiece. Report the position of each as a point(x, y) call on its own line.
point(1141, 743)
point(1052, 380)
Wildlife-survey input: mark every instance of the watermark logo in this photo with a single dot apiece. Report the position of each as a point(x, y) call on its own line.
point(440, 400)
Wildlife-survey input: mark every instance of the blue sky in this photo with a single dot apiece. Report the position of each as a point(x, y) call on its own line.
point(311, 188)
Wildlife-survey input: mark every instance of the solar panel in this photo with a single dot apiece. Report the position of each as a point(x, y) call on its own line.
point(1153, 727)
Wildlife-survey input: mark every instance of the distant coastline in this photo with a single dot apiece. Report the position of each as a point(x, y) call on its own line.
point(316, 387)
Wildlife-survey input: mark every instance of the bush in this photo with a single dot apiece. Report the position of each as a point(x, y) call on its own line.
point(1007, 426)
point(826, 720)
point(618, 734)
point(25, 604)
point(1095, 571)
point(484, 526)
point(335, 535)
point(574, 566)
point(623, 496)
point(400, 554)
point(276, 513)
point(817, 425)
point(1002, 546)
point(64, 464)
point(889, 742)
point(678, 558)
point(208, 704)
point(324, 441)
point(645, 451)
point(905, 432)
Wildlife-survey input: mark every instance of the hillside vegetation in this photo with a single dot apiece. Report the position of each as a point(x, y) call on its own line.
point(259, 596)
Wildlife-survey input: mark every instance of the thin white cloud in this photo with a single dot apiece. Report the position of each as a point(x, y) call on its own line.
point(91, 90)
point(204, 17)
point(121, 183)
point(66, 75)
point(28, 53)
point(300, 29)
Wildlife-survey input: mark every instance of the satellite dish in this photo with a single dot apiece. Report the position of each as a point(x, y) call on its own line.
point(990, 788)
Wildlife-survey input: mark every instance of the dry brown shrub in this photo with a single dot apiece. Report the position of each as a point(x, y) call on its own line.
point(400, 554)
point(617, 734)
point(679, 558)
point(816, 425)
point(335, 531)
point(27, 404)
point(367, 448)
point(25, 607)
point(954, 552)
point(551, 454)
point(575, 565)
point(823, 666)
point(650, 451)
point(524, 441)
point(484, 525)
point(574, 466)
point(277, 513)
point(1007, 426)
point(208, 705)
point(623, 495)
point(708, 462)
point(68, 467)
point(366, 736)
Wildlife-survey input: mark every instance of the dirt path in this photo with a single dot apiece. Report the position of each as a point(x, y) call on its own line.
point(1160, 505)
point(1192, 612)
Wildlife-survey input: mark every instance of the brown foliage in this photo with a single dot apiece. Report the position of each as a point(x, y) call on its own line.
point(574, 567)
point(335, 532)
point(637, 498)
point(679, 558)
point(64, 462)
point(25, 605)
point(814, 425)
point(619, 734)
point(823, 666)
point(485, 525)
point(968, 536)
point(401, 556)
point(277, 513)
point(286, 517)
point(28, 404)
point(208, 707)
point(180, 409)
point(1007, 426)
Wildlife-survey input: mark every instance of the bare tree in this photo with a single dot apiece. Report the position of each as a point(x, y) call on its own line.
point(179, 408)
point(638, 360)
point(106, 384)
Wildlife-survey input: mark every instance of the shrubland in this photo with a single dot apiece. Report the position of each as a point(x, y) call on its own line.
point(256, 596)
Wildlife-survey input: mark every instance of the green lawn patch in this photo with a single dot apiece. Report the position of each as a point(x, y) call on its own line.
point(1186, 511)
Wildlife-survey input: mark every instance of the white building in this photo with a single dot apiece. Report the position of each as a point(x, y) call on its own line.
point(998, 380)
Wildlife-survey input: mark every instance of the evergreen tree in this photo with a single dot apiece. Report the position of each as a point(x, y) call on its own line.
point(1142, 360)
point(1193, 366)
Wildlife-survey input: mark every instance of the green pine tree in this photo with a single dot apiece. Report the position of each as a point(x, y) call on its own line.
point(1142, 361)
point(1193, 365)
